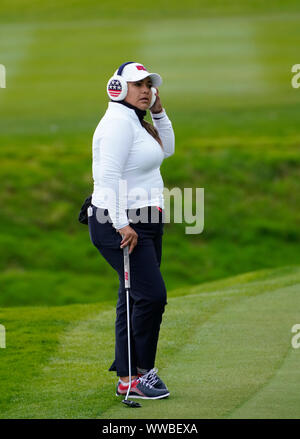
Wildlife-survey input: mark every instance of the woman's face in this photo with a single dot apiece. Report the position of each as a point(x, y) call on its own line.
point(139, 93)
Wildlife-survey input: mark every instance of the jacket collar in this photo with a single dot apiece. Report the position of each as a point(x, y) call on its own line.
point(128, 108)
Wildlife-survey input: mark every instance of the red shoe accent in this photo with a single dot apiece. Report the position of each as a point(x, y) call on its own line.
point(122, 389)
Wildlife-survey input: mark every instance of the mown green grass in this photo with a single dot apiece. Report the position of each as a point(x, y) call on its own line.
point(227, 89)
point(224, 351)
point(73, 9)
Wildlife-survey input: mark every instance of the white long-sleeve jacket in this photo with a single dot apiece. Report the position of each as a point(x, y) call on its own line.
point(126, 162)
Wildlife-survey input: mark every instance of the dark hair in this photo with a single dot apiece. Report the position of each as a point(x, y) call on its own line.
point(152, 131)
point(148, 126)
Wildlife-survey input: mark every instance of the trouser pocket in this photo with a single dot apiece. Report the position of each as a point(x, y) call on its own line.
point(103, 233)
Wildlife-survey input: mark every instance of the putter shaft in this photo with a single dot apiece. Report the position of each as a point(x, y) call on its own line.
point(127, 287)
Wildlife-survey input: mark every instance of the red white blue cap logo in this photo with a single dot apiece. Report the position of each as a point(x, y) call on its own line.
point(136, 72)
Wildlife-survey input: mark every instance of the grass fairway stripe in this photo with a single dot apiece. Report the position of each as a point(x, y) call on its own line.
point(15, 46)
point(32, 375)
point(230, 358)
point(216, 353)
point(279, 398)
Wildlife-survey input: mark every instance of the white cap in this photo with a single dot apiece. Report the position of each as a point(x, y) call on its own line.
point(136, 72)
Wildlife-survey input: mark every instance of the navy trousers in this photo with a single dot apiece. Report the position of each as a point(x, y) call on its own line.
point(147, 293)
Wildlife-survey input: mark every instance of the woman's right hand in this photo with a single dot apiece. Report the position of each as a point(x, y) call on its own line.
point(156, 107)
point(129, 236)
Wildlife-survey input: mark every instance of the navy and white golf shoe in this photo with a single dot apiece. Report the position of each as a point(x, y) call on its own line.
point(142, 387)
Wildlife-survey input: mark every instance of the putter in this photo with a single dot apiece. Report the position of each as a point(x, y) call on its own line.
point(126, 401)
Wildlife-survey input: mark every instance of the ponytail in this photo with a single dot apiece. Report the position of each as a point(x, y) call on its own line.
point(152, 131)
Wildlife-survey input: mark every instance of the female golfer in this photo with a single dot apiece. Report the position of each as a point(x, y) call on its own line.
point(127, 210)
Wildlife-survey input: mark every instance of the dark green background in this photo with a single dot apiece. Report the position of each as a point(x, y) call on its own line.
point(227, 89)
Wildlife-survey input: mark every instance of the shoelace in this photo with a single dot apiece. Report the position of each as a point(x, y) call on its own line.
point(150, 378)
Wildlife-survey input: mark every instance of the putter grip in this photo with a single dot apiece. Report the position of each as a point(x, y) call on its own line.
point(126, 267)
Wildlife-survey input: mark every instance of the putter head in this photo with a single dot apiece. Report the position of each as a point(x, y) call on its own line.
point(131, 404)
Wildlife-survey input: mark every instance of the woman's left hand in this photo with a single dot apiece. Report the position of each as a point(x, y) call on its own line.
point(157, 107)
